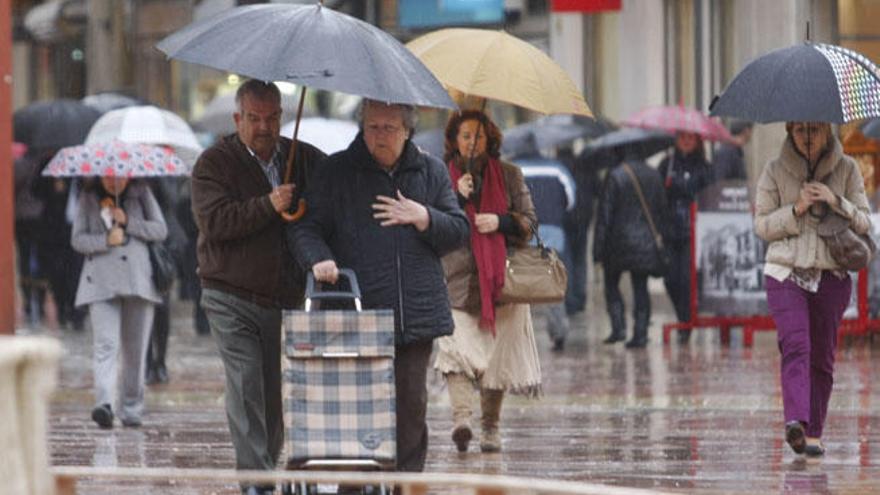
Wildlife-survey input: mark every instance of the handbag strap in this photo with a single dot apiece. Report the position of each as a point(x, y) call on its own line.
point(658, 239)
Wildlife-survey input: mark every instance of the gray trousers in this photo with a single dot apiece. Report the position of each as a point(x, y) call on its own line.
point(249, 339)
point(122, 323)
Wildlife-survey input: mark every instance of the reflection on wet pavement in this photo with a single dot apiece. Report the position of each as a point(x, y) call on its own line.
point(699, 419)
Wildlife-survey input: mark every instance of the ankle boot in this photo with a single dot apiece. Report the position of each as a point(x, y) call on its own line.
point(640, 331)
point(490, 403)
point(461, 396)
point(618, 323)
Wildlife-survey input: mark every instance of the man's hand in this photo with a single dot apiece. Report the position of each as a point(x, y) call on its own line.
point(401, 211)
point(325, 271)
point(281, 197)
point(466, 185)
point(115, 237)
point(486, 223)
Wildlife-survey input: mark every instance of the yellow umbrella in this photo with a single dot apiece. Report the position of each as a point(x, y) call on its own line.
point(496, 65)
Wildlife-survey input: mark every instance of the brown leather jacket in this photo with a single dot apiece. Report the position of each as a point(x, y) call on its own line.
point(241, 246)
point(459, 265)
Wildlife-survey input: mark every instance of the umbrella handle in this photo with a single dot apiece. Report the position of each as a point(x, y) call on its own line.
point(296, 214)
point(300, 210)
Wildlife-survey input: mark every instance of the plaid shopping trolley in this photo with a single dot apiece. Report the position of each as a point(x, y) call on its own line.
point(339, 394)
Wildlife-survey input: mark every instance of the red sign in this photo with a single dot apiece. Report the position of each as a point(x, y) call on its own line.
point(585, 5)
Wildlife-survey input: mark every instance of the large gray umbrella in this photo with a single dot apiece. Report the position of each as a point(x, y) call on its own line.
point(810, 82)
point(309, 45)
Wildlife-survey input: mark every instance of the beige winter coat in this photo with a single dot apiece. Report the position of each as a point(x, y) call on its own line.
point(794, 241)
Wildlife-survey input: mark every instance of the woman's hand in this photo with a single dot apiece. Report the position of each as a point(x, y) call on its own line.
point(466, 185)
point(326, 271)
point(804, 202)
point(115, 237)
point(401, 211)
point(820, 192)
point(119, 216)
point(486, 223)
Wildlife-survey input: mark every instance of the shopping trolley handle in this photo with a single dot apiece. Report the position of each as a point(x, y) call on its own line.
point(354, 292)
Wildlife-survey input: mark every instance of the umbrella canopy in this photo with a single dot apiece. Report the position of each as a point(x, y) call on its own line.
point(677, 118)
point(148, 125)
point(115, 159)
point(496, 65)
point(329, 135)
point(871, 128)
point(631, 141)
point(107, 101)
point(53, 124)
point(309, 45)
point(810, 82)
point(432, 142)
point(18, 150)
point(550, 132)
point(217, 115)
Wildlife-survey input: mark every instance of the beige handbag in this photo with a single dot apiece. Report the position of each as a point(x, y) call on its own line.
point(534, 275)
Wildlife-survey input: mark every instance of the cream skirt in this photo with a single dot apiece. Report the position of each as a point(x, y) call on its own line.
point(508, 361)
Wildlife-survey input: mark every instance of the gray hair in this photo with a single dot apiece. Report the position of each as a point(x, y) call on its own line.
point(408, 112)
point(260, 90)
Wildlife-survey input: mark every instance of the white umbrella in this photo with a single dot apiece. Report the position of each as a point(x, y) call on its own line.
point(328, 135)
point(148, 125)
point(217, 117)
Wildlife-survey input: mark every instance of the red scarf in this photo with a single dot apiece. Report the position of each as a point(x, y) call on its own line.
point(490, 252)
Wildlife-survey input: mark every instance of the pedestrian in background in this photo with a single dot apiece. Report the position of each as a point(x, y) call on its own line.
point(386, 210)
point(246, 275)
point(685, 173)
point(114, 222)
point(553, 193)
point(624, 242)
point(728, 161)
point(577, 224)
point(493, 346)
point(807, 291)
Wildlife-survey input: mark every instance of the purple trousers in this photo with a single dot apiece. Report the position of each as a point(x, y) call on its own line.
point(806, 326)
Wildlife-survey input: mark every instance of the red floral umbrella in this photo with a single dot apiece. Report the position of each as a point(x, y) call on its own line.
point(679, 119)
point(115, 159)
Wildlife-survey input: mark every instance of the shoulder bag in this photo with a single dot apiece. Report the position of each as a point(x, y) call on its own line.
point(534, 275)
point(850, 250)
point(663, 260)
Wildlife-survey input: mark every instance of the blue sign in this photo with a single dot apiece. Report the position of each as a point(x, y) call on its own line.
point(433, 13)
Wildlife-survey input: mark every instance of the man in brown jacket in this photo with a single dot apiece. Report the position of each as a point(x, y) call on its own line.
point(247, 278)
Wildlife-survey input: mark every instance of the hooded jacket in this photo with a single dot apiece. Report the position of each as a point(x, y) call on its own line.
point(794, 241)
point(397, 267)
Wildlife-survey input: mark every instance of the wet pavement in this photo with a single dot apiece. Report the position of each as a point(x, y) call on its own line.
point(699, 418)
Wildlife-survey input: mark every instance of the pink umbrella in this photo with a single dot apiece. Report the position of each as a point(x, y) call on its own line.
point(18, 150)
point(677, 118)
point(115, 159)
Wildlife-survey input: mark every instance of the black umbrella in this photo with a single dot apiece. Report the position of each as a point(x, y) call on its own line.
point(432, 141)
point(810, 82)
point(629, 141)
point(53, 124)
point(552, 131)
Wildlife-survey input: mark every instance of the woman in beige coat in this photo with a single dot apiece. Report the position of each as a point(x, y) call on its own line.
point(493, 345)
point(807, 291)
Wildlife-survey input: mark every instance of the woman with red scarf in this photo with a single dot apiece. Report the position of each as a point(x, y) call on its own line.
point(493, 345)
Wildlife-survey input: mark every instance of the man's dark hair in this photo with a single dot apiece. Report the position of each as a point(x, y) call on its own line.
point(260, 90)
point(738, 126)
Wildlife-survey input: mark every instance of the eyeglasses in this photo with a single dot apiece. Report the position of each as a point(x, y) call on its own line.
point(387, 129)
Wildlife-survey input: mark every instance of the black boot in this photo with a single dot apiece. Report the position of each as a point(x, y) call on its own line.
point(618, 323)
point(640, 331)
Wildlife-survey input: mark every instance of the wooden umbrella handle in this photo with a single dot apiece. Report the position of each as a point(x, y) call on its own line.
point(300, 210)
